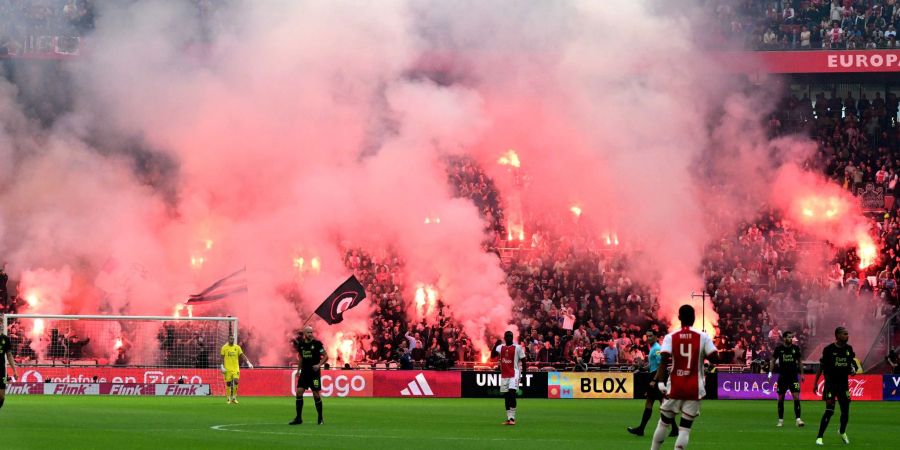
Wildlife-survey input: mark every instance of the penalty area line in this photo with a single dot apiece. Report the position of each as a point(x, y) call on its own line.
point(227, 427)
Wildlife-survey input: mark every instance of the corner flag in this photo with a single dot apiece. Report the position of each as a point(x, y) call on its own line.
point(346, 296)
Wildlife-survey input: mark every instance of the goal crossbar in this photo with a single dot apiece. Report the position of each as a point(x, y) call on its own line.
point(120, 340)
point(6, 318)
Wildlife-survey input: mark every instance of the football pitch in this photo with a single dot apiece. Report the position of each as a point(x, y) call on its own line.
point(165, 423)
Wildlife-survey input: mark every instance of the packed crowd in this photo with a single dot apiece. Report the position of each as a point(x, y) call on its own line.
point(470, 181)
point(576, 305)
point(28, 26)
point(804, 24)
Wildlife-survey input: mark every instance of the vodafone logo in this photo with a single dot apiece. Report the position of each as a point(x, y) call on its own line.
point(31, 376)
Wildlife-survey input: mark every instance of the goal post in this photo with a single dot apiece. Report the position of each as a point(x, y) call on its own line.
point(124, 341)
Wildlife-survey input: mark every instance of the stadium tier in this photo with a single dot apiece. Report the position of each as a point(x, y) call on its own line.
point(446, 203)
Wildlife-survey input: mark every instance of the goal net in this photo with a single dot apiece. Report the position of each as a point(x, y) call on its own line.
point(148, 341)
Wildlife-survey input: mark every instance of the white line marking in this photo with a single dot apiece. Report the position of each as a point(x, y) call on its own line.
point(225, 427)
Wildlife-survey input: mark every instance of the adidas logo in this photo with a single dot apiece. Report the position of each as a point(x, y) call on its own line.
point(418, 386)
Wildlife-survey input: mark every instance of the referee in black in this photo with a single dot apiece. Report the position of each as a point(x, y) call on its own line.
point(311, 355)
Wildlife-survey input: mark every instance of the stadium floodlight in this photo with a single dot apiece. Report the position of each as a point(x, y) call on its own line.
point(150, 341)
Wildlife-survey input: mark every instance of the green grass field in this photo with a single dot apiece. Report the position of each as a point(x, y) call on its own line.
point(165, 423)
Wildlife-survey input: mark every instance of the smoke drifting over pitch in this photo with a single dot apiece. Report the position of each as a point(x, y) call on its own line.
point(294, 129)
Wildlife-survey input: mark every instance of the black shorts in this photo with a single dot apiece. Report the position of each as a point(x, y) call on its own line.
point(654, 394)
point(788, 384)
point(311, 379)
point(839, 393)
point(3, 382)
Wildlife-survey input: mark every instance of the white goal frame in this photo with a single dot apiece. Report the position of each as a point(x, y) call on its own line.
point(233, 328)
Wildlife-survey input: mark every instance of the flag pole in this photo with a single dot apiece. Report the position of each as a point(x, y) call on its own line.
point(308, 318)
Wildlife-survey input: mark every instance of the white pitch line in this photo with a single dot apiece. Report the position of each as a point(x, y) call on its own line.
point(369, 436)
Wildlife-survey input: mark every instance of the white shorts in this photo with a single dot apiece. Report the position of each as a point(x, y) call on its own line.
point(689, 409)
point(509, 383)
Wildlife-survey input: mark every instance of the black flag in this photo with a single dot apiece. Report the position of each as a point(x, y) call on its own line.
point(235, 283)
point(343, 298)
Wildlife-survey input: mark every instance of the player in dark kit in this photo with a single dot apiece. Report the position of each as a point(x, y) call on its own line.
point(837, 364)
point(5, 355)
point(311, 355)
point(790, 371)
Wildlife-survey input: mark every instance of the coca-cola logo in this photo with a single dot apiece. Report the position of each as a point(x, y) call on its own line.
point(856, 387)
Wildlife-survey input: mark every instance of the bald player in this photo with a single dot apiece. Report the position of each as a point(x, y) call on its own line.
point(311, 355)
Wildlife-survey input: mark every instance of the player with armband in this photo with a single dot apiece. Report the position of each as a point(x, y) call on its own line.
point(684, 386)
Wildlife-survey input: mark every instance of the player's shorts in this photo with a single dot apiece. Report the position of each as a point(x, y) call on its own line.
point(788, 384)
point(232, 375)
point(840, 393)
point(309, 380)
point(509, 384)
point(3, 382)
point(689, 409)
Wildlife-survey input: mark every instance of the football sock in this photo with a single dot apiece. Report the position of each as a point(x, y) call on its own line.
point(825, 419)
point(659, 436)
point(797, 407)
point(780, 409)
point(1, 401)
point(845, 416)
point(645, 418)
point(319, 408)
point(684, 434)
point(298, 405)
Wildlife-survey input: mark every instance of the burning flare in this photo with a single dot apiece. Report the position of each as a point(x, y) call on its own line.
point(32, 299)
point(822, 208)
point(38, 328)
point(510, 158)
point(426, 300)
point(315, 264)
point(866, 250)
point(343, 348)
point(611, 239)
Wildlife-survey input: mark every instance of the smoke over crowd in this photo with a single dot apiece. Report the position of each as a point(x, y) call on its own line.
point(263, 133)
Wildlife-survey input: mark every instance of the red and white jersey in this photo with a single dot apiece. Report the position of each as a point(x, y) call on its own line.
point(510, 360)
point(686, 380)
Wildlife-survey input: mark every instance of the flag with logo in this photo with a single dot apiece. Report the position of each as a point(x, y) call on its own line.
point(346, 296)
point(233, 284)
